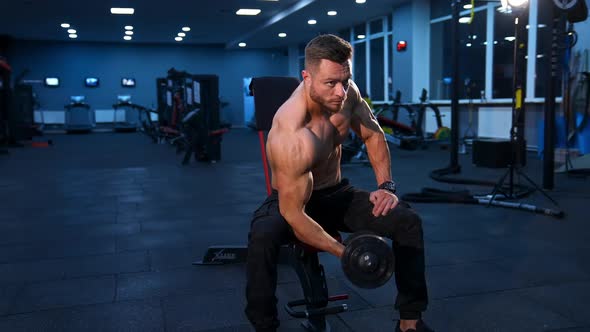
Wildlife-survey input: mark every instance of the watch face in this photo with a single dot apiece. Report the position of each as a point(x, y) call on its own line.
point(388, 186)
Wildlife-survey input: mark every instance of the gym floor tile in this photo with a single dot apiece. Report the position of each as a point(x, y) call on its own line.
point(151, 240)
point(64, 293)
point(197, 312)
point(8, 295)
point(49, 250)
point(467, 279)
point(569, 299)
point(194, 279)
point(546, 269)
point(132, 316)
point(502, 311)
point(370, 320)
point(464, 251)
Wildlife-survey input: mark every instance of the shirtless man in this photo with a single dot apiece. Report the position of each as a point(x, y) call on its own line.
point(310, 199)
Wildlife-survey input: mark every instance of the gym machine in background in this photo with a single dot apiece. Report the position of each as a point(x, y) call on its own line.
point(144, 115)
point(126, 116)
point(17, 104)
point(561, 12)
point(188, 111)
point(79, 117)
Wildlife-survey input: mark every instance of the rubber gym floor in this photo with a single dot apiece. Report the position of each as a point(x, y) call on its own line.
point(98, 233)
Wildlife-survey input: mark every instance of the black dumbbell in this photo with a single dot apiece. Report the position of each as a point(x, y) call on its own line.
point(368, 261)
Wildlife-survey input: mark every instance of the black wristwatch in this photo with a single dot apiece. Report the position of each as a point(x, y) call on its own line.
point(389, 186)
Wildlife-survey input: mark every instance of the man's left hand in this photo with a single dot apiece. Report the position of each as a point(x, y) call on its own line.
point(383, 202)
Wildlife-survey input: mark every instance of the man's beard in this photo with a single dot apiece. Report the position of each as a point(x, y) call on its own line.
point(326, 104)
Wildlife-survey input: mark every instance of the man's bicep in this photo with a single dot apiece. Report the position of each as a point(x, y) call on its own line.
point(291, 167)
point(294, 193)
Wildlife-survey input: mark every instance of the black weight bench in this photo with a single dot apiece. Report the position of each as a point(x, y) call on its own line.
point(304, 259)
point(269, 94)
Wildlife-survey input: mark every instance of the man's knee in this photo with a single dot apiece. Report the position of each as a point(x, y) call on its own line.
point(408, 227)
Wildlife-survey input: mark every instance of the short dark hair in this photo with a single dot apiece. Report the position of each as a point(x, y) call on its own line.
point(329, 47)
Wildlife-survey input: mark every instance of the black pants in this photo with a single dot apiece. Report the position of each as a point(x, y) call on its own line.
point(339, 208)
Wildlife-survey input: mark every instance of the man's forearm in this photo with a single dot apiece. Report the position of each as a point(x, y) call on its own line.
point(311, 233)
point(379, 156)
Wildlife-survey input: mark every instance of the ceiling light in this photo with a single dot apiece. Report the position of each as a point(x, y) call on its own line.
point(187, 29)
point(361, 1)
point(495, 42)
point(65, 25)
point(178, 38)
point(467, 6)
point(73, 35)
point(282, 34)
point(181, 34)
point(72, 31)
point(360, 37)
point(127, 37)
point(122, 11)
point(250, 12)
point(242, 44)
point(515, 3)
point(465, 19)
point(332, 13)
point(128, 27)
point(129, 33)
point(312, 22)
point(510, 38)
point(468, 44)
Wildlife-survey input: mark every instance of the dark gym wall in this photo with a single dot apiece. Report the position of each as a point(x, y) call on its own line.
point(73, 61)
point(402, 61)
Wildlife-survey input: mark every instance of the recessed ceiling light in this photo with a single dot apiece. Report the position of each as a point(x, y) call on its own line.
point(73, 35)
point(312, 22)
point(251, 12)
point(122, 11)
point(282, 34)
point(510, 38)
point(128, 27)
point(72, 31)
point(467, 6)
point(127, 37)
point(361, 36)
point(187, 29)
point(129, 33)
point(178, 39)
point(361, 1)
point(242, 44)
point(181, 34)
point(465, 19)
point(332, 13)
point(65, 25)
point(468, 44)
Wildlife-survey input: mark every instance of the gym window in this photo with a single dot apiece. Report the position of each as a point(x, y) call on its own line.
point(488, 64)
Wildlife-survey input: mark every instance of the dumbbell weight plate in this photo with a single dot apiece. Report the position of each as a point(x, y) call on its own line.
point(368, 261)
